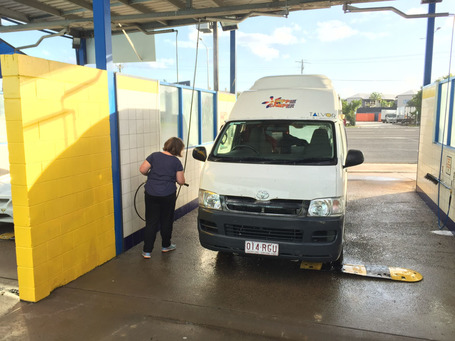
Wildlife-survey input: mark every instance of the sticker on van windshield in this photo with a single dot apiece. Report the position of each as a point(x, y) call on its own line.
point(280, 103)
point(322, 115)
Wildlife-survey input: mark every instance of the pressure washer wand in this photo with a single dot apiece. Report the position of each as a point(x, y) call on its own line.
point(435, 180)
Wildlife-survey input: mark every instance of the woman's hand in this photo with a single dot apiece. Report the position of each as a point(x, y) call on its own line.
point(180, 178)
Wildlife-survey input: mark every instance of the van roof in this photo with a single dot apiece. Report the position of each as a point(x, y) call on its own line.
point(307, 97)
point(293, 82)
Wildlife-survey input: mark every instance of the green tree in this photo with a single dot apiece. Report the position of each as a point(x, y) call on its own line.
point(377, 98)
point(350, 109)
point(416, 102)
point(387, 104)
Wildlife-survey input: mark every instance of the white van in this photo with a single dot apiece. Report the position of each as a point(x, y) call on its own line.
point(274, 183)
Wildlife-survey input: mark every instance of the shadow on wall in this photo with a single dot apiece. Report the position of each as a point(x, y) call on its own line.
point(68, 227)
point(60, 163)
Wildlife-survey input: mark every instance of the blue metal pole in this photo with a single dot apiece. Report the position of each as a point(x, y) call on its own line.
point(103, 56)
point(103, 36)
point(233, 63)
point(429, 45)
point(81, 53)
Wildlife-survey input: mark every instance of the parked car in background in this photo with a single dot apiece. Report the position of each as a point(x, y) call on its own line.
point(6, 205)
point(391, 118)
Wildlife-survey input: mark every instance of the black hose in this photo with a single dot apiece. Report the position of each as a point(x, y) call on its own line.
point(134, 201)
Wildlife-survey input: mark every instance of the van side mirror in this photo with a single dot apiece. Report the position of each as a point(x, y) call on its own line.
point(200, 153)
point(354, 158)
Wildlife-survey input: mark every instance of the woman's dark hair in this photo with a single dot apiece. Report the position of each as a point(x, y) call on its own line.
point(174, 145)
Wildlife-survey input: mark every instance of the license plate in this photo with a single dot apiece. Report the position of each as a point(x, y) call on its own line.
point(261, 248)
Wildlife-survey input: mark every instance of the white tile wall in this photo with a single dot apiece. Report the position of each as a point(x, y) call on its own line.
point(139, 127)
point(139, 120)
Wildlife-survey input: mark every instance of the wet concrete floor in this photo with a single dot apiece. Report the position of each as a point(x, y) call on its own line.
point(197, 294)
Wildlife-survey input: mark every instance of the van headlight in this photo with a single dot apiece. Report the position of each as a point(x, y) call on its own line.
point(326, 207)
point(209, 199)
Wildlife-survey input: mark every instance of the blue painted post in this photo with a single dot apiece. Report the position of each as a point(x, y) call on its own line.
point(429, 45)
point(103, 56)
point(81, 53)
point(233, 62)
point(6, 48)
point(103, 35)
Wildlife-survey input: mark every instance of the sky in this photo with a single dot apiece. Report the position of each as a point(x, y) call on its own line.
point(360, 52)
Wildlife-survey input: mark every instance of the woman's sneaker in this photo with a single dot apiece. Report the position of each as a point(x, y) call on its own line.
point(146, 255)
point(171, 247)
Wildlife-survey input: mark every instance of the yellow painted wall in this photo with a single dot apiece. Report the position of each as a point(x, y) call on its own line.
point(225, 103)
point(60, 162)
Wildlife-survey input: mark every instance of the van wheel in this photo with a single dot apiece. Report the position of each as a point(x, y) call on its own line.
point(338, 264)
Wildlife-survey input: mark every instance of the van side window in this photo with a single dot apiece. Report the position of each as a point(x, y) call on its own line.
point(225, 145)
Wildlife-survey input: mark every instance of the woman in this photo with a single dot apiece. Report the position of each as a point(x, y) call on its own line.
point(163, 170)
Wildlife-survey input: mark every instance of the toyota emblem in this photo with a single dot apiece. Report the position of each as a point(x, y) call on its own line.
point(262, 195)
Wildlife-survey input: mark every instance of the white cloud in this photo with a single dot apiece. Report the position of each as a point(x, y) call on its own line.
point(374, 35)
point(161, 64)
point(416, 10)
point(263, 45)
point(337, 30)
point(334, 30)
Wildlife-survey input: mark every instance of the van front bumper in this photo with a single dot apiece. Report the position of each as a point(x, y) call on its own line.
point(315, 239)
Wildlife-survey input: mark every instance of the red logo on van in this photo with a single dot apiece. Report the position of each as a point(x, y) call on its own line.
point(280, 103)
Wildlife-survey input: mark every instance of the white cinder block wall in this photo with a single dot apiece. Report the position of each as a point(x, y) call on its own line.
point(139, 129)
point(138, 103)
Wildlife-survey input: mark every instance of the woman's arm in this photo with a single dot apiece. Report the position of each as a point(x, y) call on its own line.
point(180, 178)
point(145, 167)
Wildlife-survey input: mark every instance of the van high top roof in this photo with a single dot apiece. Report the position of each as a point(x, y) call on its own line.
point(293, 82)
point(294, 97)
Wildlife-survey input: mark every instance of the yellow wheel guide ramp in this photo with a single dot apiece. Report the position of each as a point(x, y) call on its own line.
point(382, 271)
point(7, 236)
point(375, 271)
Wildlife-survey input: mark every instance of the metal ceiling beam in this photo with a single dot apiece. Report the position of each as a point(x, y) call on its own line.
point(5, 12)
point(43, 25)
point(82, 3)
point(218, 3)
point(177, 3)
point(137, 7)
point(205, 12)
point(42, 7)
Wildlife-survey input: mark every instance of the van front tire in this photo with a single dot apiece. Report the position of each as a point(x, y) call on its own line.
point(338, 264)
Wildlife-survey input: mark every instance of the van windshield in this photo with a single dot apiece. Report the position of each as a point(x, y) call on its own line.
point(276, 142)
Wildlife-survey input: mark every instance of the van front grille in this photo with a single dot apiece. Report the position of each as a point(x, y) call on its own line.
point(264, 233)
point(275, 206)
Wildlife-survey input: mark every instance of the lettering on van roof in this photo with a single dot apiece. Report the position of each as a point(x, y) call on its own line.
point(280, 103)
point(323, 114)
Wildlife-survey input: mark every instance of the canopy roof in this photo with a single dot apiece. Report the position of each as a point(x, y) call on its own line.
point(76, 16)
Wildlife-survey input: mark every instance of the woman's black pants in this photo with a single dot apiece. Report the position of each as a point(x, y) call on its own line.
point(159, 216)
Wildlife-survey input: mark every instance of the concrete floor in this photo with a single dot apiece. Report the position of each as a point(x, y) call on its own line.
point(197, 294)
